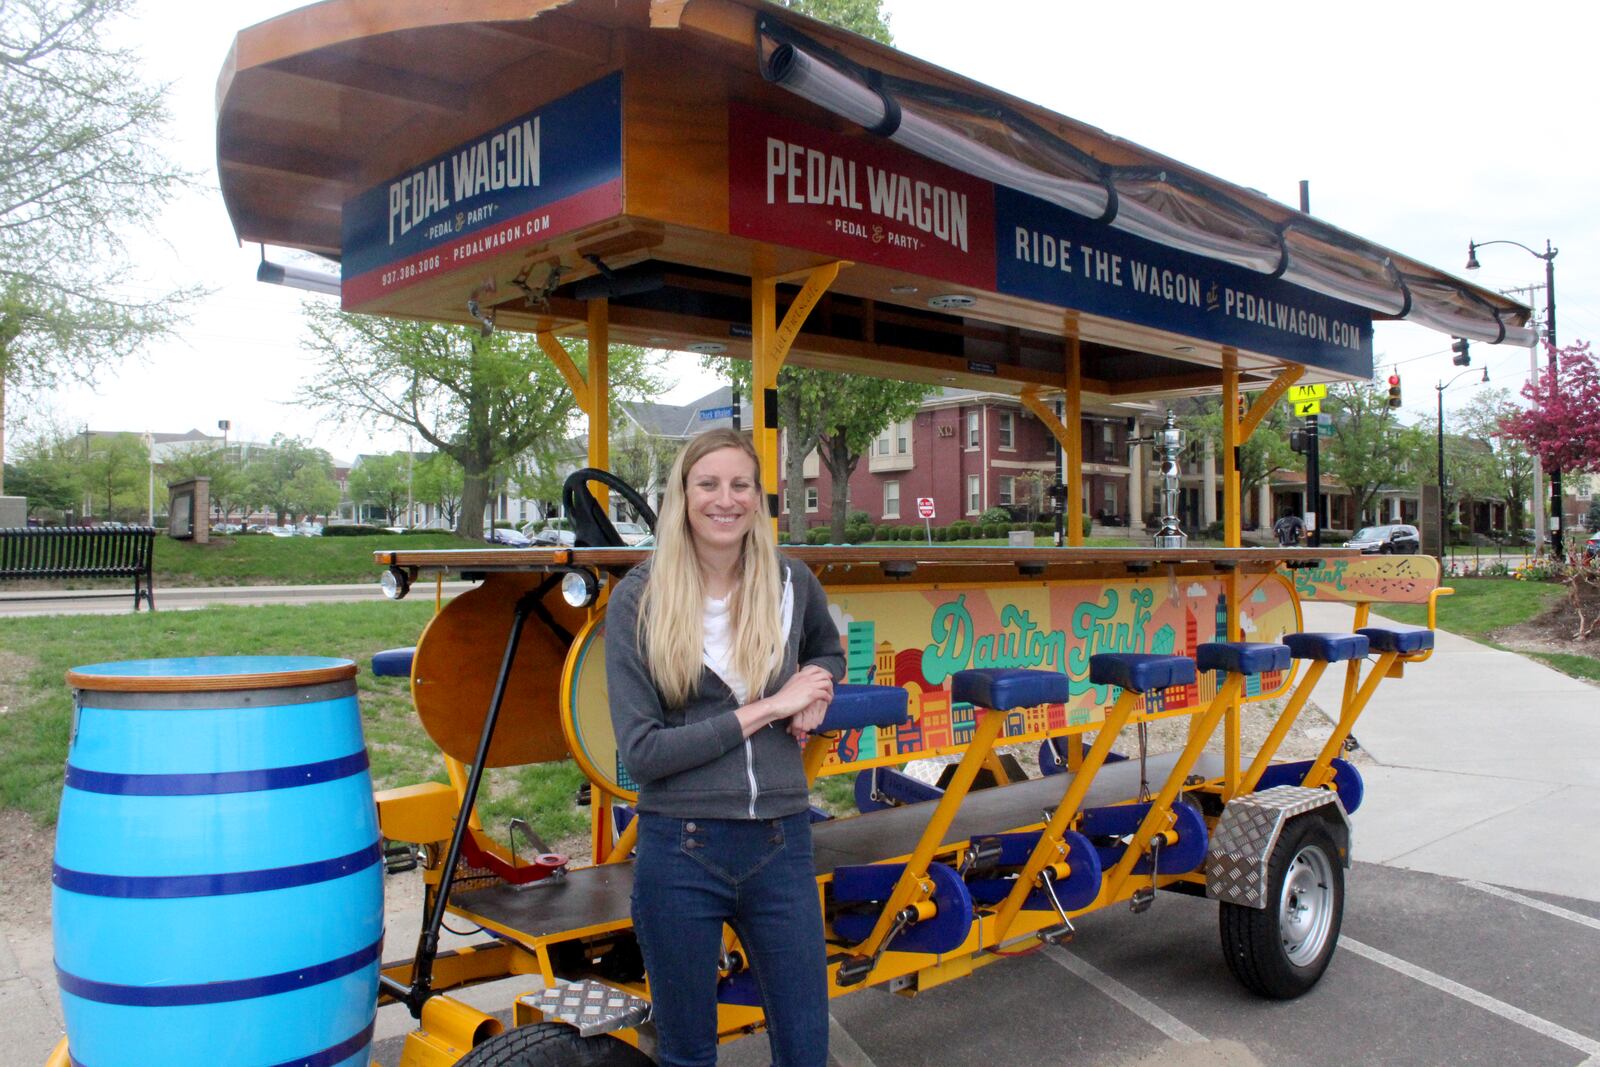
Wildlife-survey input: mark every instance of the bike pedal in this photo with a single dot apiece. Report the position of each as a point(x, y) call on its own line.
point(854, 970)
point(399, 857)
point(1141, 900)
point(1058, 935)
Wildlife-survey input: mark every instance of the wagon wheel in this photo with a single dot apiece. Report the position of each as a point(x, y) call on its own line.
point(553, 1045)
point(1280, 951)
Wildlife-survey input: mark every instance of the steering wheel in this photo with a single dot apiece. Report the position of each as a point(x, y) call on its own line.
point(591, 526)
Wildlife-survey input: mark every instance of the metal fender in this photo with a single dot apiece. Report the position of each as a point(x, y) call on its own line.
point(1236, 862)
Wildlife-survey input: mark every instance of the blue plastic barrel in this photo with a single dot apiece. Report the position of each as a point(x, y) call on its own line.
point(218, 880)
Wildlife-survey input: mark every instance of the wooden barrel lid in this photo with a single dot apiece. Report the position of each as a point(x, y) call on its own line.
point(210, 674)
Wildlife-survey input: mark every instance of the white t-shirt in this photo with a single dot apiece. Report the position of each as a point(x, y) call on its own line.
point(718, 651)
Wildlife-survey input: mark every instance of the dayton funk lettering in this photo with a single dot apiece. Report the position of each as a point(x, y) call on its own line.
point(505, 160)
point(800, 175)
point(957, 647)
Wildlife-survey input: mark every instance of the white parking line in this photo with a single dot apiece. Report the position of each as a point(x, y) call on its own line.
point(1169, 1024)
point(1587, 1045)
point(842, 1048)
point(1533, 902)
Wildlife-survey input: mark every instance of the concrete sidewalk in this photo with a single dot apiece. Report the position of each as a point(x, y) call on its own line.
point(1487, 767)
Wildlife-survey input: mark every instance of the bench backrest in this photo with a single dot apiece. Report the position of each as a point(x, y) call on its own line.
point(76, 551)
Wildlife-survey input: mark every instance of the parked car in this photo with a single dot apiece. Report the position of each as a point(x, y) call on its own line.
point(1591, 547)
point(632, 532)
point(554, 536)
point(1386, 539)
point(504, 535)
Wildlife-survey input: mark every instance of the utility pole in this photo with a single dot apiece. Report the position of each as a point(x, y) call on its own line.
point(1538, 508)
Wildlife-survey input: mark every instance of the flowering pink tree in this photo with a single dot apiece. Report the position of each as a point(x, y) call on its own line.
point(1562, 423)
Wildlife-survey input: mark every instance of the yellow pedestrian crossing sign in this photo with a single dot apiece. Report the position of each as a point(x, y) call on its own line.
point(1300, 393)
point(1308, 407)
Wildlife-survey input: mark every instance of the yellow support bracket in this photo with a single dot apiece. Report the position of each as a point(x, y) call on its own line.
point(1273, 393)
point(818, 279)
point(569, 370)
point(1033, 399)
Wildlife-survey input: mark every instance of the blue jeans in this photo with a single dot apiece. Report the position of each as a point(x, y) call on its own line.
point(693, 875)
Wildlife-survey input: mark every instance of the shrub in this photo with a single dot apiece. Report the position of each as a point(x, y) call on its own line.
point(858, 533)
point(413, 530)
point(353, 529)
point(960, 530)
point(502, 524)
point(995, 515)
point(817, 536)
point(1044, 529)
point(884, 532)
point(858, 518)
point(910, 533)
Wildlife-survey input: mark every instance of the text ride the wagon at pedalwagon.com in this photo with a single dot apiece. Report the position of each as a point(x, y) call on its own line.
point(727, 175)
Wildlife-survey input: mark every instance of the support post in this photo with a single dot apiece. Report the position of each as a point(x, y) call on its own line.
point(1074, 442)
point(600, 394)
point(770, 342)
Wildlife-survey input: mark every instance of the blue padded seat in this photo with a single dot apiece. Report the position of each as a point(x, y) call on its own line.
point(1329, 648)
point(855, 707)
point(1003, 689)
point(1242, 657)
point(1404, 640)
point(393, 662)
point(1139, 671)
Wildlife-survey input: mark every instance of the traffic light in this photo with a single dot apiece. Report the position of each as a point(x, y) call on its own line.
point(1297, 441)
point(1462, 357)
point(1244, 407)
point(1394, 390)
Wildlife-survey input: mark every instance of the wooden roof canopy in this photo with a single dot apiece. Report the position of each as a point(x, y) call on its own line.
point(321, 110)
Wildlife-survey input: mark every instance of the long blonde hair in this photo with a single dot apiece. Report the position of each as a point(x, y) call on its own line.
point(672, 611)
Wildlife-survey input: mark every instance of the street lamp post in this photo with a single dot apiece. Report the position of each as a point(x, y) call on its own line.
point(1443, 521)
point(1549, 257)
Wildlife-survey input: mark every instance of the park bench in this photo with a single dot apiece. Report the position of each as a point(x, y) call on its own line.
point(81, 552)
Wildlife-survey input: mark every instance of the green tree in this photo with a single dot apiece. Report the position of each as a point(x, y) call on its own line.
point(1369, 448)
point(209, 461)
point(116, 474)
point(48, 472)
point(865, 17)
point(382, 482)
point(275, 479)
point(483, 401)
point(82, 160)
point(859, 409)
point(312, 492)
point(1266, 452)
point(439, 481)
point(1508, 467)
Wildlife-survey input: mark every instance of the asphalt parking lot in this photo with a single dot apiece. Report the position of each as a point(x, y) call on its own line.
point(1430, 970)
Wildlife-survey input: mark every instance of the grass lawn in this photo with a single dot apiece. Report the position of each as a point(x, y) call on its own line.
point(1481, 605)
point(36, 705)
point(257, 559)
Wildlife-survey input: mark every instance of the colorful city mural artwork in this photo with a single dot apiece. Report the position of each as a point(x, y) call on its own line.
point(917, 639)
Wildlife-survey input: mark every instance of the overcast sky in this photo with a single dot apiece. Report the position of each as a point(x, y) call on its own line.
point(1418, 125)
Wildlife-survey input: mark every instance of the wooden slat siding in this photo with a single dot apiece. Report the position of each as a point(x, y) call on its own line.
point(108, 683)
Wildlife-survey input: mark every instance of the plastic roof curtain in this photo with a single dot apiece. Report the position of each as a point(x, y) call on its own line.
point(989, 141)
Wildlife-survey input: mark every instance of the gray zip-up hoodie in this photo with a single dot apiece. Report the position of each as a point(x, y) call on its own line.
point(694, 761)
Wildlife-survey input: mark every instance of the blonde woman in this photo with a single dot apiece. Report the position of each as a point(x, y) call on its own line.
point(720, 658)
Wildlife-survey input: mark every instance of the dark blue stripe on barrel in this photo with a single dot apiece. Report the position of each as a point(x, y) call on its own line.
point(174, 996)
point(326, 1058)
point(192, 785)
point(172, 886)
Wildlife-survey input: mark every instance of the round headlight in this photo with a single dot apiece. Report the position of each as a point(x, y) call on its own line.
point(395, 582)
point(579, 588)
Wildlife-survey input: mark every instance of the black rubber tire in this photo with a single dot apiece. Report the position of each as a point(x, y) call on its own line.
point(1253, 939)
point(1385, 550)
point(553, 1045)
